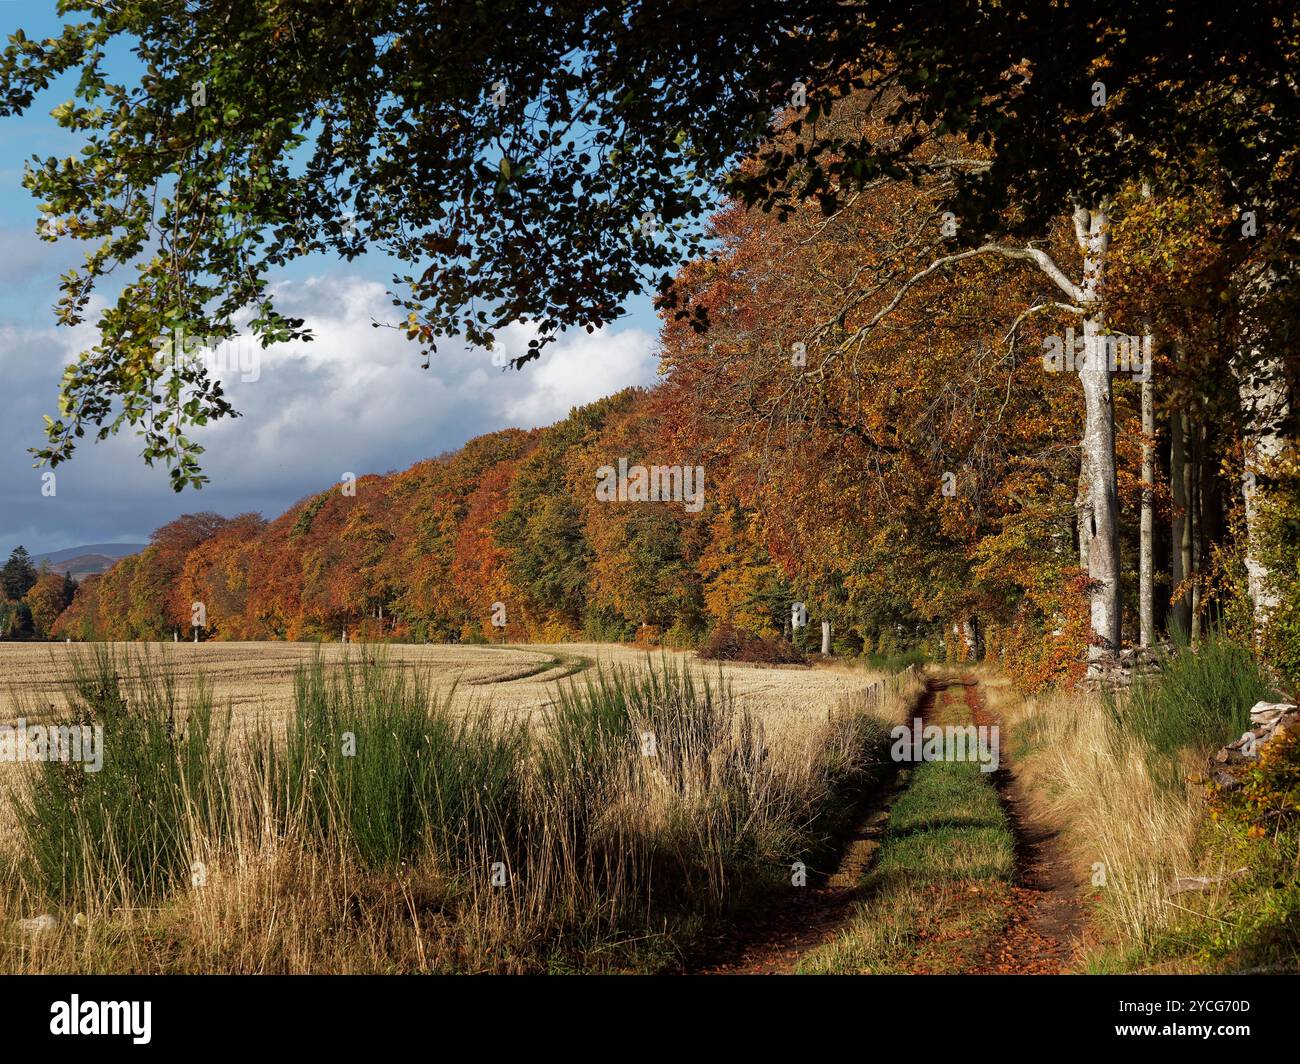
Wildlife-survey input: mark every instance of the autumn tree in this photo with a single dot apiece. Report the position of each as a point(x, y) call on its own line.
point(45, 600)
point(216, 575)
point(643, 573)
point(480, 559)
point(426, 511)
point(550, 556)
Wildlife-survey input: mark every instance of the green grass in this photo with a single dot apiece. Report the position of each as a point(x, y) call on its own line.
point(948, 825)
point(934, 893)
point(1199, 699)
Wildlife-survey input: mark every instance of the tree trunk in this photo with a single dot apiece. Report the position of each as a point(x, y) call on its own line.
point(1147, 515)
point(1083, 511)
point(1196, 518)
point(826, 637)
point(1180, 615)
point(1189, 519)
point(1265, 405)
point(1099, 448)
point(1146, 531)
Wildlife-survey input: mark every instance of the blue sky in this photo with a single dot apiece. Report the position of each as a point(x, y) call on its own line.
point(354, 401)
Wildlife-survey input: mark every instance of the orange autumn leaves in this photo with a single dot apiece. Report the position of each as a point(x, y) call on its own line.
point(428, 552)
point(899, 474)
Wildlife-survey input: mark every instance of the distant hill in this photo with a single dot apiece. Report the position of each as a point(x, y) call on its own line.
point(87, 559)
point(111, 550)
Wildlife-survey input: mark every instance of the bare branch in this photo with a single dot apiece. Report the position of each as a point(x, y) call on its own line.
point(1069, 307)
point(1029, 254)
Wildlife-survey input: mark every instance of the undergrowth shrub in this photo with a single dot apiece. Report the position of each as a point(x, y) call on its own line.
point(728, 643)
point(1255, 832)
point(895, 662)
point(1199, 698)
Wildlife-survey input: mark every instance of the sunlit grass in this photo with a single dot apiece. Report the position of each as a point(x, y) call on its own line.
point(384, 827)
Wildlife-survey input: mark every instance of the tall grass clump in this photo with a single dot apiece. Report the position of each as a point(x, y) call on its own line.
point(663, 718)
point(377, 763)
point(128, 832)
point(1199, 698)
point(654, 788)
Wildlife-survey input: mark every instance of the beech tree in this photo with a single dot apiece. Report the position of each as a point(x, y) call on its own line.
point(544, 164)
point(46, 601)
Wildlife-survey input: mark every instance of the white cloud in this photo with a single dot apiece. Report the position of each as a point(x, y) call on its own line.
point(580, 368)
point(353, 400)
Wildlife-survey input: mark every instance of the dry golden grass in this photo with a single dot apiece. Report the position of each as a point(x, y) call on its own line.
point(1126, 835)
point(278, 900)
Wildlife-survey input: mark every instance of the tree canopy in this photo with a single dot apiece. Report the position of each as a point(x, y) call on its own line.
point(544, 164)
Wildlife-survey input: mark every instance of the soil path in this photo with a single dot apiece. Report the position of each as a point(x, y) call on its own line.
point(1045, 920)
point(811, 916)
point(1046, 917)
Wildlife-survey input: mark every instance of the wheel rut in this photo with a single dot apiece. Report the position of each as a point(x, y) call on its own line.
point(1046, 916)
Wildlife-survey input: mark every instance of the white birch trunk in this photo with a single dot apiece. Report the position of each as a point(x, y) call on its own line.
point(1179, 542)
point(1083, 510)
point(1185, 545)
point(1195, 514)
point(1147, 512)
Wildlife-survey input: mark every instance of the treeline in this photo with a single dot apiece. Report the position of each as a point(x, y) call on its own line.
point(31, 599)
point(428, 553)
point(896, 439)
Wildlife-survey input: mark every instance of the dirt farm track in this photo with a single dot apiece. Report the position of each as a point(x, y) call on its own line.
point(258, 677)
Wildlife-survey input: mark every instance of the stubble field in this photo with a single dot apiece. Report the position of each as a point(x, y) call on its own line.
point(258, 678)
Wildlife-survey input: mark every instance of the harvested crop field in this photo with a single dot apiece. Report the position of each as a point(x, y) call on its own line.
point(257, 678)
